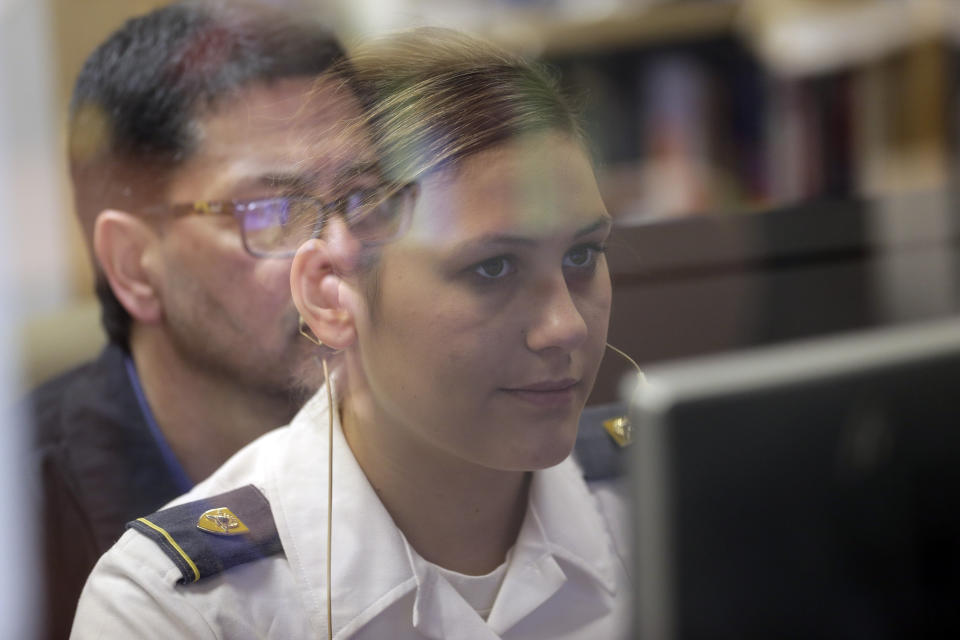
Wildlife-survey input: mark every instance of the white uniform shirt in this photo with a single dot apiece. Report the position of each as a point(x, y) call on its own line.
point(566, 577)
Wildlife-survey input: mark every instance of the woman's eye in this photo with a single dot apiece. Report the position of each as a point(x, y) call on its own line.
point(494, 268)
point(582, 256)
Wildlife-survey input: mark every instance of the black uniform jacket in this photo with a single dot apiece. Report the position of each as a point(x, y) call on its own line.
point(99, 467)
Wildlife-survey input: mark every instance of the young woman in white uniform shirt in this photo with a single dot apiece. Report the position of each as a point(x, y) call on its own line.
point(468, 313)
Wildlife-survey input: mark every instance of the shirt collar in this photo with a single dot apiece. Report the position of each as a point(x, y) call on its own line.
point(178, 475)
point(562, 527)
point(373, 566)
point(370, 568)
point(569, 522)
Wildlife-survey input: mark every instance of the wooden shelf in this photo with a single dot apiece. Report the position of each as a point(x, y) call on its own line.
point(658, 23)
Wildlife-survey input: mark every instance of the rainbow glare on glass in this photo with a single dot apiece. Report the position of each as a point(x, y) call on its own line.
point(276, 227)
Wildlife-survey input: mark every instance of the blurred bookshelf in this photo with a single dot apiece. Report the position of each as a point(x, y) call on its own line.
point(551, 34)
point(694, 106)
point(724, 106)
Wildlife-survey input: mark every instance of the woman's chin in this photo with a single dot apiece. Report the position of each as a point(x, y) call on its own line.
point(543, 453)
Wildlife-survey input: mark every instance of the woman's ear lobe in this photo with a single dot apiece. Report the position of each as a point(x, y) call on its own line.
point(120, 243)
point(321, 295)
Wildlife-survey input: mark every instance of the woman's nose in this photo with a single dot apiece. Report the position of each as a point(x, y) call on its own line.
point(556, 321)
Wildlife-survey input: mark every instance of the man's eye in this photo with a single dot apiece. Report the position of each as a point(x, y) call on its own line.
point(494, 268)
point(355, 202)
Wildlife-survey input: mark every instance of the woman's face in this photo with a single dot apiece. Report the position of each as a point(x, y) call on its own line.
point(490, 317)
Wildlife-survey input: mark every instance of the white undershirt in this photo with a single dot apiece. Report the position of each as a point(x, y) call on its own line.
point(480, 592)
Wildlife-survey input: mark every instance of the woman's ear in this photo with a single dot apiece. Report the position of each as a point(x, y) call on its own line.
point(120, 243)
point(327, 302)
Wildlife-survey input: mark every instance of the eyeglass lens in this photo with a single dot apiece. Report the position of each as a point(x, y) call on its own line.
point(278, 226)
point(373, 218)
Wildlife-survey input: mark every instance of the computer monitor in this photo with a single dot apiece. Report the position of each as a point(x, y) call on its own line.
point(802, 491)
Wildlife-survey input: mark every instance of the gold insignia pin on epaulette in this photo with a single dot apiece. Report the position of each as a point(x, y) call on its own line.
point(222, 522)
point(619, 429)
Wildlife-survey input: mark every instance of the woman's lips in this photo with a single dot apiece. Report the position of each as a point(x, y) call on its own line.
point(548, 393)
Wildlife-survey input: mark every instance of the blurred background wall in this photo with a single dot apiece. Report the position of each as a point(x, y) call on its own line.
point(34, 270)
point(57, 315)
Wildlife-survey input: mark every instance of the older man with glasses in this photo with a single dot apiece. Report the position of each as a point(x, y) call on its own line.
point(206, 142)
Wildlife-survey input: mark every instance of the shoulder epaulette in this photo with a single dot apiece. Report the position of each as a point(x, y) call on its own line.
point(211, 535)
point(600, 441)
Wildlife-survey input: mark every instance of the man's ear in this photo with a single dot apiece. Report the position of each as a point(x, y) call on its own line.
point(120, 243)
point(327, 302)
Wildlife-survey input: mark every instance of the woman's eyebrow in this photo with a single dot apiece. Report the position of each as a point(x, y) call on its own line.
point(603, 222)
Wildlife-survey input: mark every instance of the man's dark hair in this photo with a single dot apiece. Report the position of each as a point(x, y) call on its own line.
point(139, 95)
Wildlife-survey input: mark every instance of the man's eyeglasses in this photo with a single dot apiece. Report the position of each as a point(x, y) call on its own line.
point(276, 227)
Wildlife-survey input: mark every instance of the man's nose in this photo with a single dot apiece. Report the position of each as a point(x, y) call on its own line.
point(556, 321)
